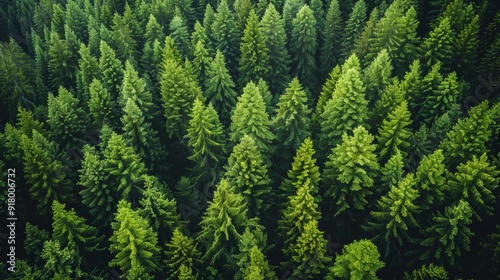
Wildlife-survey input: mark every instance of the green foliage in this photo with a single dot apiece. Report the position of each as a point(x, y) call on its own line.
point(394, 132)
point(437, 47)
point(359, 260)
point(111, 69)
point(292, 119)
point(179, 33)
point(100, 104)
point(309, 252)
point(250, 117)
point(258, 267)
point(346, 110)
point(250, 258)
point(133, 243)
point(124, 167)
point(69, 228)
point(134, 88)
point(62, 64)
point(442, 99)
point(154, 31)
point(122, 34)
point(206, 139)
point(475, 182)
point(66, 118)
point(61, 262)
point(43, 171)
point(430, 271)
point(272, 27)
point(201, 63)
point(449, 234)
point(326, 93)
point(97, 195)
point(181, 255)
point(246, 173)
point(33, 244)
point(254, 58)
point(350, 171)
point(223, 223)
point(331, 36)
point(395, 214)
point(303, 47)
point(304, 169)
point(178, 92)
point(430, 180)
point(353, 27)
point(392, 172)
point(227, 37)
point(377, 75)
point(220, 88)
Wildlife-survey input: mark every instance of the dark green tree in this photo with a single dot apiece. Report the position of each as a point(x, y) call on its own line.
point(135, 88)
point(441, 100)
point(377, 76)
point(332, 38)
point(100, 104)
point(201, 63)
point(62, 64)
point(227, 37)
point(303, 47)
point(353, 27)
point(272, 27)
point(33, 244)
point(111, 69)
point(133, 243)
point(181, 251)
point(391, 173)
point(254, 60)
point(220, 88)
point(437, 47)
point(326, 94)
point(430, 271)
point(124, 41)
point(180, 34)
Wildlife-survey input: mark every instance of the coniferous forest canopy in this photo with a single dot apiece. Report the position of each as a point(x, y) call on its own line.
point(245, 139)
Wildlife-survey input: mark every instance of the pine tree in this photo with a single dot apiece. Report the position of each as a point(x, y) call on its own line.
point(254, 58)
point(272, 27)
point(220, 88)
point(354, 27)
point(258, 267)
point(70, 228)
point(359, 260)
point(133, 243)
point(449, 235)
point(290, 10)
point(428, 86)
point(292, 119)
point(326, 94)
point(134, 88)
point(346, 109)
point(124, 167)
point(180, 34)
point(437, 47)
point(122, 33)
point(441, 100)
point(66, 119)
point(309, 252)
point(475, 182)
point(100, 104)
point(227, 36)
point(268, 97)
point(206, 140)
point(430, 180)
point(77, 20)
point(200, 35)
point(43, 171)
point(350, 171)
point(410, 86)
point(62, 64)
point(331, 36)
point(96, 194)
point(395, 215)
point(250, 247)
point(363, 44)
point(391, 173)
point(300, 210)
point(223, 223)
point(154, 31)
point(394, 132)
point(468, 137)
point(242, 9)
point(159, 209)
point(111, 69)
point(60, 262)
point(89, 70)
point(201, 64)
point(303, 168)
point(33, 244)
point(466, 46)
point(169, 53)
point(250, 117)
point(181, 252)
point(303, 47)
point(138, 133)
point(246, 173)
point(377, 76)
point(178, 92)
point(27, 123)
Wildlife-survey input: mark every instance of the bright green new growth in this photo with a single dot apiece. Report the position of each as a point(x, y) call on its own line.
point(394, 132)
point(430, 271)
point(430, 180)
point(181, 252)
point(135, 88)
point(134, 243)
point(359, 260)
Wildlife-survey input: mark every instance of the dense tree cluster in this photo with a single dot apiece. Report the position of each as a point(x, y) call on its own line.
point(252, 139)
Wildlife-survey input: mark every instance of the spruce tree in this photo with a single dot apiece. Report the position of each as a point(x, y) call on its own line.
point(134, 88)
point(246, 173)
point(303, 47)
point(289, 11)
point(394, 133)
point(326, 94)
point(292, 119)
point(250, 247)
point(206, 139)
point(437, 47)
point(227, 36)
point(377, 76)
point(154, 31)
point(201, 63)
point(180, 34)
point(359, 260)
point(89, 70)
point(346, 109)
point(250, 117)
point(100, 104)
point(133, 243)
point(258, 267)
point(123, 38)
point(430, 180)
point(111, 69)
point(181, 252)
point(442, 99)
point(220, 88)
point(272, 27)
point(353, 27)
point(391, 173)
point(350, 171)
point(331, 36)
point(254, 58)
point(363, 44)
point(69, 228)
point(62, 64)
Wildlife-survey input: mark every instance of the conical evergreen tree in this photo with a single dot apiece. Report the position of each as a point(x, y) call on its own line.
point(181, 252)
point(180, 34)
point(258, 267)
point(303, 47)
point(111, 69)
point(134, 88)
point(430, 180)
point(220, 88)
point(272, 27)
point(331, 36)
point(254, 60)
point(437, 47)
point(394, 132)
point(391, 173)
point(354, 27)
point(246, 173)
point(377, 76)
point(134, 243)
point(326, 94)
point(100, 104)
point(227, 37)
point(201, 63)
point(441, 100)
